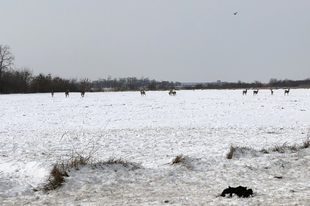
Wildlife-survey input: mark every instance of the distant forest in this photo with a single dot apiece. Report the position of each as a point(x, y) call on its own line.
point(23, 81)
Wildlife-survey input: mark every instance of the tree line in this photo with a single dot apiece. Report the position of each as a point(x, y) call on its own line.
point(133, 84)
point(273, 83)
point(23, 81)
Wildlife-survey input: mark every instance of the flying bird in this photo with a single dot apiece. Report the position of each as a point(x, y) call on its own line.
point(235, 13)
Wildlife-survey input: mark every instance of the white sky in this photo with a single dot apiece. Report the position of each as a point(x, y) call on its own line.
point(174, 40)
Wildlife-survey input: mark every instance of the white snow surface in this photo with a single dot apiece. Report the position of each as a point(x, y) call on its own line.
point(37, 131)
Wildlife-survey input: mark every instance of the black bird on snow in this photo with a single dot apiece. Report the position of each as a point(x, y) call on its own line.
point(235, 13)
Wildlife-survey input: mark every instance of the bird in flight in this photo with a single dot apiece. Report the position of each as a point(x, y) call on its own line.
point(235, 13)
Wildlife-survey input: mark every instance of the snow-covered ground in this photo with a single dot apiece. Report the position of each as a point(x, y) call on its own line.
point(37, 131)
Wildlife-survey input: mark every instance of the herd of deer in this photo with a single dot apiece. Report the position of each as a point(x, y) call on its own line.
point(67, 93)
point(173, 93)
point(255, 92)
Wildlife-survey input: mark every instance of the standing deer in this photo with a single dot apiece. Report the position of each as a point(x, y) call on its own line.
point(82, 93)
point(286, 91)
point(171, 92)
point(255, 92)
point(244, 92)
point(271, 91)
point(67, 93)
point(142, 93)
point(52, 93)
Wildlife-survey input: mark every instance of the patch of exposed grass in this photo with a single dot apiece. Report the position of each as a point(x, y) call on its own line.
point(183, 160)
point(231, 152)
point(178, 159)
point(293, 148)
point(59, 170)
point(76, 162)
point(280, 148)
point(56, 178)
point(276, 148)
point(306, 143)
point(264, 151)
point(237, 151)
point(114, 161)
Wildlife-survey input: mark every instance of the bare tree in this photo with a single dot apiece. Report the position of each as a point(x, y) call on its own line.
point(85, 85)
point(6, 61)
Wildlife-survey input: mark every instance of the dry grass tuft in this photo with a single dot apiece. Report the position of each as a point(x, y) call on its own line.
point(76, 162)
point(56, 178)
point(231, 152)
point(306, 143)
point(293, 148)
point(178, 159)
point(59, 171)
point(184, 161)
point(279, 148)
point(114, 161)
point(264, 151)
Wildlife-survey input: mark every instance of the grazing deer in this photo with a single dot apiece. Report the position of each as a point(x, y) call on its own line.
point(67, 93)
point(171, 92)
point(244, 92)
point(255, 92)
point(52, 93)
point(286, 91)
point(142, 93)
point(82, 93)
point(271, 91)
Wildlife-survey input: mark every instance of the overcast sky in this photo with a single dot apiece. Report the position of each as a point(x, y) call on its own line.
point(173, 40)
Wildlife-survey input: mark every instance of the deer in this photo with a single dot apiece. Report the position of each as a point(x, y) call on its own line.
point(244, 92)
point(82, 93)
point(286, 91)
point(52, 93)
point(255, 92)
point(142, 93)
point(67, 93)
point(171, 92)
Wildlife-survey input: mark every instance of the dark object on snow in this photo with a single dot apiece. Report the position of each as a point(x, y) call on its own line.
point(240, 191)
point(278, 177)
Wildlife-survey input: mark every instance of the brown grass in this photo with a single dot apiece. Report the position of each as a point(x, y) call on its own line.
point(264, 151)
point(114, 161)
point(59, 170)
point(56, 178)
point(306, 143)
point(231, 152)
point(178, 159)
point(280, 148)
point(276, 148)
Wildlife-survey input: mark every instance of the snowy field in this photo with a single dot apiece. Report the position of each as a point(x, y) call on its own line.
point(37, 131)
